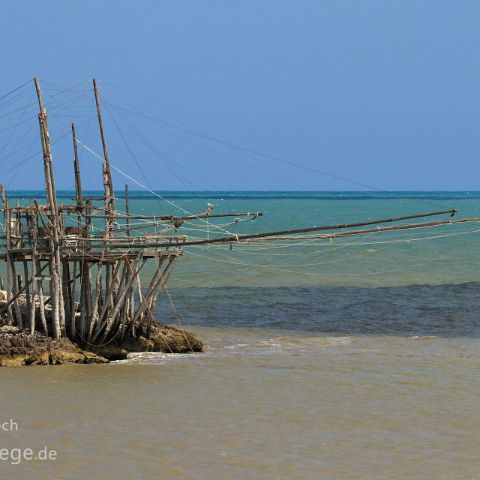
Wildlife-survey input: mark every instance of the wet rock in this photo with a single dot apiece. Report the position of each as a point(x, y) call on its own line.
point(110, 351)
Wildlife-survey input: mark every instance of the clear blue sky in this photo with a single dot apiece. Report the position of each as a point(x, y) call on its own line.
point(382, 92)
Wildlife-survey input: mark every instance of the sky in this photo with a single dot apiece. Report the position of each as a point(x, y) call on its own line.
point(247, 95)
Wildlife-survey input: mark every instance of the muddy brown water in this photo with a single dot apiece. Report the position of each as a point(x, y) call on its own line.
point(257, 404)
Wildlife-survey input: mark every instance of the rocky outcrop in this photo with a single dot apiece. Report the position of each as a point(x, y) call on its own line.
point(65, 351)
point(161, 338)
point(158, 338)
point(18, 347)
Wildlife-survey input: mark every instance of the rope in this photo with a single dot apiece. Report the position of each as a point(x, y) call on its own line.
point(204, 135)
point(177, 316)
point(15, 90)
point(145, 187)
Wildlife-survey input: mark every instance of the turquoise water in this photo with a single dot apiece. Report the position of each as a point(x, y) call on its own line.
point(441, 255)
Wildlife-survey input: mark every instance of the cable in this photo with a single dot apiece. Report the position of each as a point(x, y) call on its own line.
point(14, 90)
point(257, 153)
point(143, 186)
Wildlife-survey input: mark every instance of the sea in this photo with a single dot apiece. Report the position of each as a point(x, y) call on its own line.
point(346, 358)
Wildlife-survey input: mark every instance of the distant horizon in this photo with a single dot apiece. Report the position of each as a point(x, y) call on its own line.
point(250, 190)
point(131, 190)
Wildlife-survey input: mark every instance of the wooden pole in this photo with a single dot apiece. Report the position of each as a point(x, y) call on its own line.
point(76, 166)
point(108, 183)
point(127, 210)
point(96, 301)
point(33, 279)
point(13, 279)
point(6, 223)
point(47, 154)
point(56, 294)
point(29, 299)
point(79, 200)
point(327, 227)
point(102, 133)
point(73, 305)
point(259, 236)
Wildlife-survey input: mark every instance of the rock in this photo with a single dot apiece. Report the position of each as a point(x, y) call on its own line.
point(164, 339)
point(64, 351)
point(22, 348)
point(110, 351)
point(9, 329)
point(157, 338)
point(19, 347)
point(3, 296)
point(170, 340)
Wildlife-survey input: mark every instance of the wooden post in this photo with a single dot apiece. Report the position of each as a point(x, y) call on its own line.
point(127, 209)
point(66, 289)
point(16, 317)
point(33, 242)
point(96, 301)
point(58, 312)
point(78, 180)
point(29, 299)
point(108, 183)
point(6, 223)
point(47, 154)
point(73, 305)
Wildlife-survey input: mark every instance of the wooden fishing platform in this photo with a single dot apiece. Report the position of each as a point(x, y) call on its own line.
point(74, 270)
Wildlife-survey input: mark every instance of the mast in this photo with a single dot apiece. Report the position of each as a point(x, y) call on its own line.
point(127, 209)
point(110, 270)
point(56, 293)
point(76, 165)
point(47, 153)
point(107, 174)
point(78, 179)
